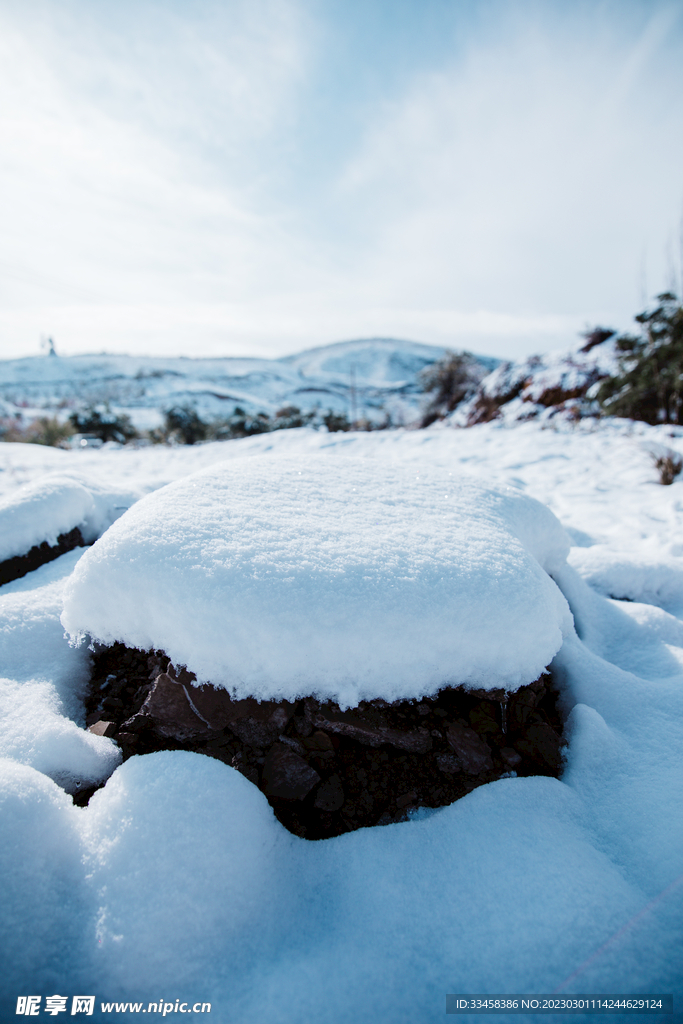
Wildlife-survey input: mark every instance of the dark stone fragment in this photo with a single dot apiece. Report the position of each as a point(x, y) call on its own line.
point(250, 771)
point(318, 741)
point(542, 743)
point(294, 745)
point(484, 717)
point(406, 799)
point(488, 695)
point(168, 710)
point(112, 702)
point(286, 775)
point(473, 754)
point(126, 740)
point(102, 728)
point(303, 727)
point(522, 704)
point(368, 725)
point(330, 795)
point(449, 763)
point(181, 675)
point(510, 757)
point(257, 724)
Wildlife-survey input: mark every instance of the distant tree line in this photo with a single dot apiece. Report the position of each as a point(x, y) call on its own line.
point(182, 424)
point(647, 385)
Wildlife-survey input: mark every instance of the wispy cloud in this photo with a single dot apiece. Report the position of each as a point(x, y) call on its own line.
point(188, 178)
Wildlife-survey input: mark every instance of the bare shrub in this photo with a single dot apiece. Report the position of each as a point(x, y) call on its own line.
point(669, 466)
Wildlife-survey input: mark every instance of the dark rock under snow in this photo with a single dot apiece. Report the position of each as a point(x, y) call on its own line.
point(325, 770)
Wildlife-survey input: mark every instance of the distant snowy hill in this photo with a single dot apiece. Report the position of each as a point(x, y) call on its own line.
point(380, 362)
point(364, 378)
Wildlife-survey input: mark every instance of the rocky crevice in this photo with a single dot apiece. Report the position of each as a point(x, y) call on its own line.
point(326, 771)
point(14, 568)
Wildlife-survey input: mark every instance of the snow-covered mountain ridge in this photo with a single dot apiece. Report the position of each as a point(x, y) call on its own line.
point(364, 378)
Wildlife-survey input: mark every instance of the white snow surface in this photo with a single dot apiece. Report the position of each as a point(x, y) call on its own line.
point(40, 512)
point(54, 505)
point(348, 579)
point(177, 882)
point(43, 682)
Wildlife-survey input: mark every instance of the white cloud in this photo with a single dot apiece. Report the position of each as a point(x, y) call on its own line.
point(527, 177)
point(162, 190)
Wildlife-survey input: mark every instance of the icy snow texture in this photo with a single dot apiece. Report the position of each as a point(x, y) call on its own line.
point(43, 510)
point(349, 580)
point(177, 881)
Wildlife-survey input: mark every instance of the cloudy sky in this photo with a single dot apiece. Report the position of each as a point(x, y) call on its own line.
point(233, 177)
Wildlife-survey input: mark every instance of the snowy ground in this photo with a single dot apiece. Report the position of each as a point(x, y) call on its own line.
point(177, 882)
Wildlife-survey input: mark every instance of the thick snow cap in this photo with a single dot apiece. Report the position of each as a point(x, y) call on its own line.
point(40, 512)
point(343, 578)
point(54, 505)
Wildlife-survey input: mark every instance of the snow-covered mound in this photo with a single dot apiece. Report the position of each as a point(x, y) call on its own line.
point(348, 579)
point(541, 386)
point(42, 681)
point(54, 505)
point(177, 882)
point(364, 378)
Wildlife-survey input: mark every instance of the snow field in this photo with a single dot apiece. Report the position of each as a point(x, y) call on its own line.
point(177, 877)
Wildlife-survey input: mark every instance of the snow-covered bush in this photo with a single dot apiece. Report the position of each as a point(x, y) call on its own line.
point(183, 425)
point(101, 421)
point(542, 387)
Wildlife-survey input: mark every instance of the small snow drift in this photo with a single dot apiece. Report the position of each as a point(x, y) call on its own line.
point(337, 578)
point(45, 519)
point(41, 513)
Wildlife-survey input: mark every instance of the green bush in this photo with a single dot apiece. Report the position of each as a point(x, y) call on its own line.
point(240, 424)
point(336, 421)
point(183, 424)
point(649, 384)
point(100, 421)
